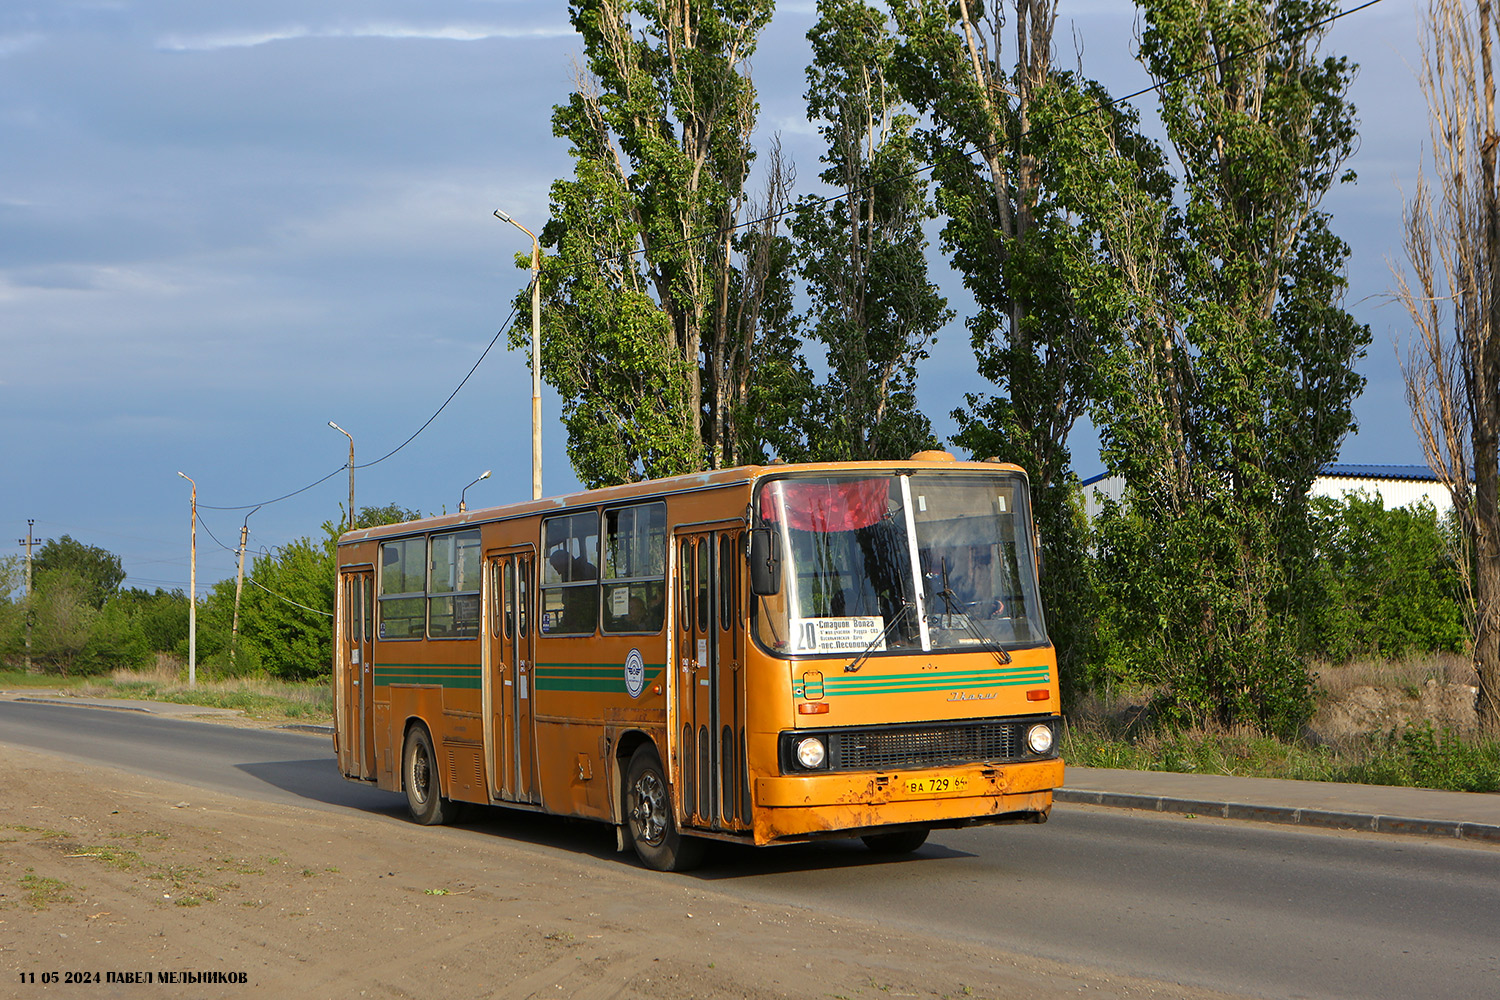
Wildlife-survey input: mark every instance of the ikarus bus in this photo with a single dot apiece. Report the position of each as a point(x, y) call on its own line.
point(764, 655)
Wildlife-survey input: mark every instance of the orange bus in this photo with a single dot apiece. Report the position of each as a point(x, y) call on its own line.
point(763, 655)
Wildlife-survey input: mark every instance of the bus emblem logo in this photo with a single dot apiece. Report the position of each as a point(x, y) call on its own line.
point(635, 673)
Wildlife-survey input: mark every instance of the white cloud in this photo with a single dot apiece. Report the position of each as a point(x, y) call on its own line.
point(450, 33)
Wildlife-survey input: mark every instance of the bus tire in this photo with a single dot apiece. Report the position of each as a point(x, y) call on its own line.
point(648, 816)
point(419, 776)
point(902, 842)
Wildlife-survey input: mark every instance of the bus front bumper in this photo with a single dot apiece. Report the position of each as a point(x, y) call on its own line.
point(800, 807)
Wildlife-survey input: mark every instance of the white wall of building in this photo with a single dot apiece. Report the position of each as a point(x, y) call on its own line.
point(1394, 490)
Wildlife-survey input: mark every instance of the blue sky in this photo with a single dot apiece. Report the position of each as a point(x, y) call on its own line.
point(223, 225)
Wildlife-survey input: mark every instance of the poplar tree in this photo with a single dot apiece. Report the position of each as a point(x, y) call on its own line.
point(1451, 289)
point(666, 306)
point(1236, 385)
point(1026, 158)
point(862, 252)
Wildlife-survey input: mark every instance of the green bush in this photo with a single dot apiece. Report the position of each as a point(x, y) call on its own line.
point(1386, 583)
point(1421, 757)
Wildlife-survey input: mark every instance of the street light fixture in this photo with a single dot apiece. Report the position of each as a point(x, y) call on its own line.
point(536, 355)
point(351, 470)
point(193, 589)
point(461, 506)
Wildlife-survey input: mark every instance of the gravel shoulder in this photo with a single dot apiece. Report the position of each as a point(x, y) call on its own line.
point(107, 874)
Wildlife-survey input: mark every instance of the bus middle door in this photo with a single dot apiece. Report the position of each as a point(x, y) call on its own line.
point(708, 699)
point(510, 676)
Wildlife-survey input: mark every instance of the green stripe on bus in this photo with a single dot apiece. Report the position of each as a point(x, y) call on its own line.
point(463, 676)
point(913, 683)
point(610, 680)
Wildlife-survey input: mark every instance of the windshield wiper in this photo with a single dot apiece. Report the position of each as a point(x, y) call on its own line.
point(853, 665)
point(950, 601)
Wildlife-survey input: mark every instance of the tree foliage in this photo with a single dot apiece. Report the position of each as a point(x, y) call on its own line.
point(286, 609)
point(95, 573)
point(1386, 581)
point(285, 614)
point(862, 252)
point(661, 314)
point(1024, 155)
point(1236, 383)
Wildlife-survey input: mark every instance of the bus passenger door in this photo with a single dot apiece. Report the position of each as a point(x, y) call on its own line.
point(509, 671)
point(708, 700)
point(357, 672)
point(734, 788)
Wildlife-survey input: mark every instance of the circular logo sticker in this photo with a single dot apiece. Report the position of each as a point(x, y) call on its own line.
point(635, 673)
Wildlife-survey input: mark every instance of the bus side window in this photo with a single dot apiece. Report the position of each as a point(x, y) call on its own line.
point(685, 575)
point(570, 575)
point(705, 610)
point(727, 564)
point(523, 588)
point(508, 587)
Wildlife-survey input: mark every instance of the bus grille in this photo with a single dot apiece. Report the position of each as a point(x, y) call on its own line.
point(931, 746)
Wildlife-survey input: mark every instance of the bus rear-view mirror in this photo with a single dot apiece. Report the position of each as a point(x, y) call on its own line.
point(765, 562)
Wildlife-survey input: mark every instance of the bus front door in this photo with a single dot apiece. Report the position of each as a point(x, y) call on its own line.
point(509, 676)
point(709, 701)
point(357, 672)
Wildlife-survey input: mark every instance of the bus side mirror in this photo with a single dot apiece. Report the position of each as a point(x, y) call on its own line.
point(765, 562)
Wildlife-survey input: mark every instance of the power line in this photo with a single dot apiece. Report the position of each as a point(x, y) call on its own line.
point(288, 600)
point(495, 339)
point(485, 353)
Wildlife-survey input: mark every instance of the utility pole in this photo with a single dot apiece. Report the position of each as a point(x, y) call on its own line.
point(239, 586)
point(28, 541)
point(193, 591)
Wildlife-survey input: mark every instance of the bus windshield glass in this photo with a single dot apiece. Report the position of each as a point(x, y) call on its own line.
point(901, 563)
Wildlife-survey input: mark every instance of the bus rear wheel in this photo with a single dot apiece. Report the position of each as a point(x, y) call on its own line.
point(648, 814)
point(902, 842)
point(419, 775)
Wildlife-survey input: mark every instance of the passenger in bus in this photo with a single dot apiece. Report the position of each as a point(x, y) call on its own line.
point(580, 604)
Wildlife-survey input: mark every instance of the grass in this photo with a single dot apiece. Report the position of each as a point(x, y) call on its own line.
point(1405, 748)
point(1416, 755)
point(42, 891)
point(258, 697)
point(11, 680)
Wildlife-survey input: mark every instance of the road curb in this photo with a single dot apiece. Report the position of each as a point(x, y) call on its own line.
point(80, 703)
point(1291, 815)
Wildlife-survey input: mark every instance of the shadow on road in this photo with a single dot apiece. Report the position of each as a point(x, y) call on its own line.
point(317, 780)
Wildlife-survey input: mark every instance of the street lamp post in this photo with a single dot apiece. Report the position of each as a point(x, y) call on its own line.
point(461, 505)
point(351, 470)
point(193, 589)
point(536, 355)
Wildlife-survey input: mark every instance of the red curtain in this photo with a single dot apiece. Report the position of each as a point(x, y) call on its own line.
point(825, 506)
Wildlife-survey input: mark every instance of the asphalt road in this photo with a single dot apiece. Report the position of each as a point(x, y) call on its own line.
point(1241, 907)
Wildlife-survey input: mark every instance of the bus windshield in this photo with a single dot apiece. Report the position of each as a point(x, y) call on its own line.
point(930, 562)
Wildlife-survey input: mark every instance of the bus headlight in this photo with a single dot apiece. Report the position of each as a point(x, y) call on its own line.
point(810, 752)
point(1039, 738)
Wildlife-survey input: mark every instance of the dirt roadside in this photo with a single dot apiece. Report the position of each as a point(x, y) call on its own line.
point(106, 873)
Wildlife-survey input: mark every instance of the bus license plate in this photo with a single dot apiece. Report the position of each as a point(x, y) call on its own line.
point(935, 786)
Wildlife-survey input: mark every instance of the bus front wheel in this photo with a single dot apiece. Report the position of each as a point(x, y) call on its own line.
point(648, 813)
point(419, 774)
